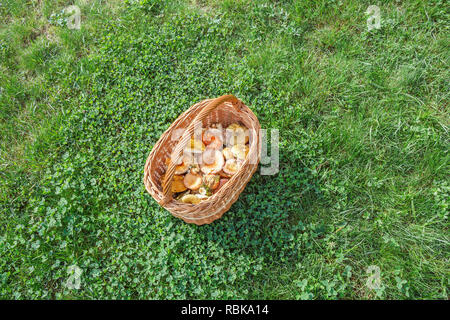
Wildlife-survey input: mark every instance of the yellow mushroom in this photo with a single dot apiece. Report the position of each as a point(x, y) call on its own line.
point(240, 151)
point(232, 166)
point(227, 153)
point(177, 184)
point(236, 134)
point(195, 145)
point(190, 198)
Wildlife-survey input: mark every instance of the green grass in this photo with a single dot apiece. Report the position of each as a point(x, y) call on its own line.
point(363, 121)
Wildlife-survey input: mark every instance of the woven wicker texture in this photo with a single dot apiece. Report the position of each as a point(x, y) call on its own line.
point(225, 110)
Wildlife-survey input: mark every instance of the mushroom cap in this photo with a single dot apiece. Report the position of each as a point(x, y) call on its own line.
point(236, 134)
point(177, 184)
point(232, 166)
point(211, 181)
point(227, 153)
point(190, 198)
point(192, 181)
point(240, 151)
point(213, 138)
point(195, 145)
point(183, 163)
point(213, 161)
point(187, 160)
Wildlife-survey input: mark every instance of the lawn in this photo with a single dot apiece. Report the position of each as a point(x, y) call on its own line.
point(363, 120)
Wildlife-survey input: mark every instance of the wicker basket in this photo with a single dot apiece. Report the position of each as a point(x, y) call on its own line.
point(225, 110)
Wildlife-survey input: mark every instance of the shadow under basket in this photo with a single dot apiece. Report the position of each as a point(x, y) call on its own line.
point(225, 110)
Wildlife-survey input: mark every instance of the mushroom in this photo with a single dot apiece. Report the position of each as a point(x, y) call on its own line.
point(240, 151)
point(227, 153)
point(232, 166)
point(213, 138)
point(236, 134)
point(195, 145)
point(190, 198)
point(192, 181)
point(195, 168)
point(212, 161)
point(177, 184)
point(211, 181)
point(183, 163)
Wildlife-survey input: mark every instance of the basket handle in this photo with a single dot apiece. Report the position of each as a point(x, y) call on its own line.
point(178, 150)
